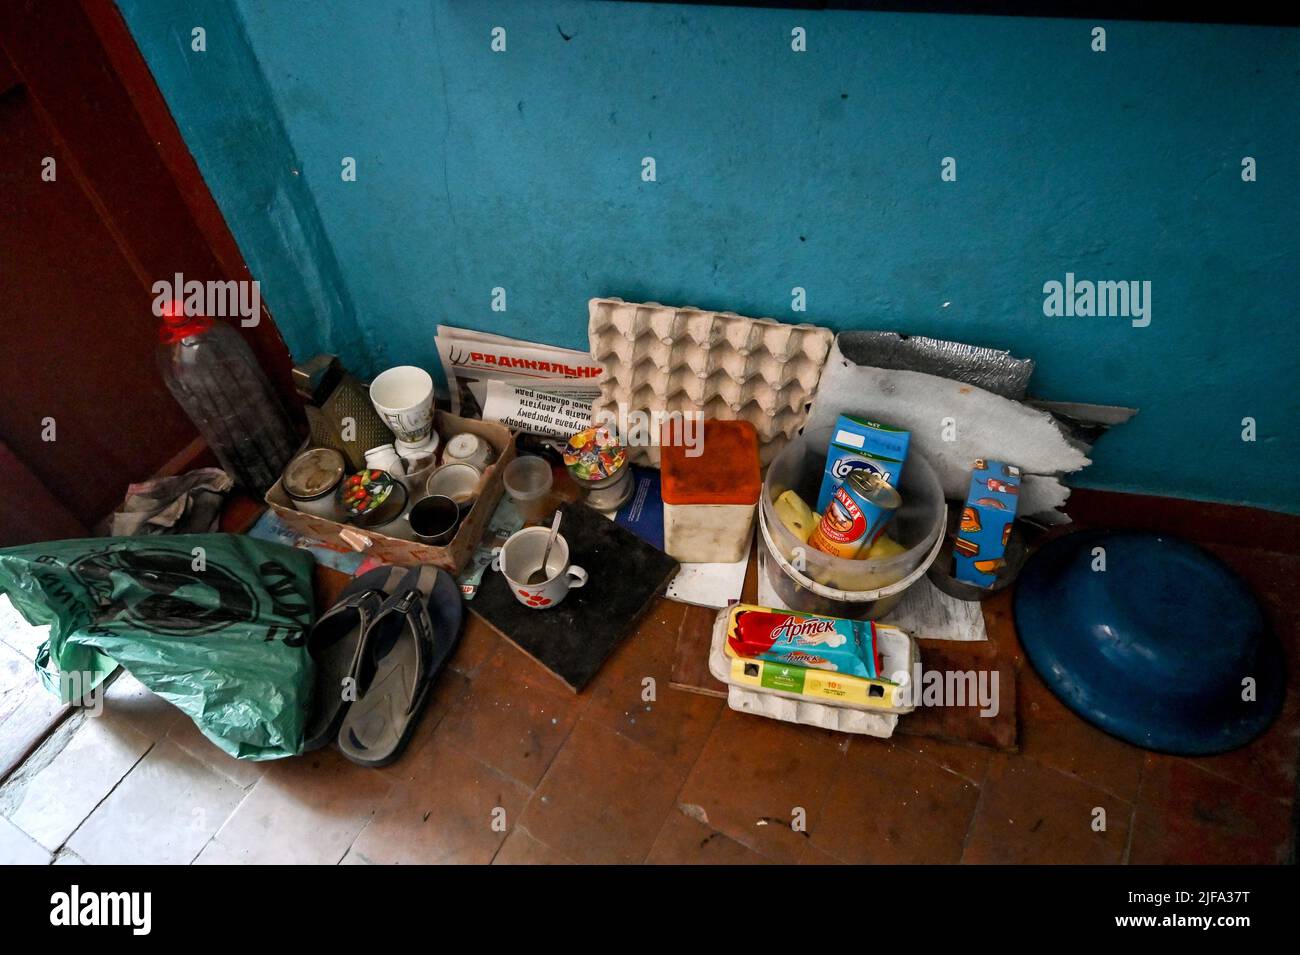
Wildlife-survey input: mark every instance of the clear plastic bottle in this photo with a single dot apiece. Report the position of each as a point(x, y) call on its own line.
point(211, 371)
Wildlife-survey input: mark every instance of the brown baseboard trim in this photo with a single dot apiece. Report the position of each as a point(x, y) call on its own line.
point(1202, 521)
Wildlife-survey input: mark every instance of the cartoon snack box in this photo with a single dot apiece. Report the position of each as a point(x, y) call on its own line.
point(986, 522)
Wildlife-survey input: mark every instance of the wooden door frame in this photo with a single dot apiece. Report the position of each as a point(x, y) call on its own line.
point(86, 77)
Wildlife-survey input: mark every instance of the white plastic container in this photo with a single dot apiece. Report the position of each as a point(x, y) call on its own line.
point(711, 497)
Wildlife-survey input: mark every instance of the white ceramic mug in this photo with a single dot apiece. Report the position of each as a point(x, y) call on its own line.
point(403, 397)
point(521, 554)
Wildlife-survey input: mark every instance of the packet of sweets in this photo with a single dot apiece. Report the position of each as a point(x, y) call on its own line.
point(807, 640)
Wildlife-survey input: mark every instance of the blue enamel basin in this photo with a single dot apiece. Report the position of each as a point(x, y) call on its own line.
point(1155, 648)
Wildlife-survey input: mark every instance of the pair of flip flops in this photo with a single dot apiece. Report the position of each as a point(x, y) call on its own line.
point(378, 651)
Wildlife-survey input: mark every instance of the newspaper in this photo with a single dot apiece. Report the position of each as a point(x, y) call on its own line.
point(558, 413)
point(470, 360)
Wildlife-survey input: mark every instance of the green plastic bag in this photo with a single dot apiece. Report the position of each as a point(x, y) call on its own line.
point(215, 623)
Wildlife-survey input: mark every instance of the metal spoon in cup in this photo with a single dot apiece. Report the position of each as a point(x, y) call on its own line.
point(541, 575)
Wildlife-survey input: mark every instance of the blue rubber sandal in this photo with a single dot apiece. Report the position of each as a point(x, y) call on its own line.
point(402, 653)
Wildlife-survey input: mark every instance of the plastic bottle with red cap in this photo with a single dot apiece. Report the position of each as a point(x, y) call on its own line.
point(211, 371)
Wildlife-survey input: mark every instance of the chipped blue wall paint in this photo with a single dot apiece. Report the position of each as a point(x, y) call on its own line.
point(776, 169)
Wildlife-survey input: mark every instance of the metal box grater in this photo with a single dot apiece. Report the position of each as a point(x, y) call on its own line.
point(351, 399)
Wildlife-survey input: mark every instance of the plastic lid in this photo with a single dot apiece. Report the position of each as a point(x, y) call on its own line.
point(177, 325)
point(313, 474)
point(527, 477)
point(725, 470)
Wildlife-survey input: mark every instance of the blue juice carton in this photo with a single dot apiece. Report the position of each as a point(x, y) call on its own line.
point(986, 522)
point(859, 443)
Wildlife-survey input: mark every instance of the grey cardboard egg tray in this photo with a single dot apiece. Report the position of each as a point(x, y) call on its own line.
point(724, 365)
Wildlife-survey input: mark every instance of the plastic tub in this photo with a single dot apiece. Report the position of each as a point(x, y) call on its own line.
point(918, 523)
point(799, 592)
point(527, 480)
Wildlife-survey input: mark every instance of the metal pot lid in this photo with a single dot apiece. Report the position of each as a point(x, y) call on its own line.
point(313, 474)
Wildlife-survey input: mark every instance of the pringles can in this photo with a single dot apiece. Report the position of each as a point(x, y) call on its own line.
point(857, 514)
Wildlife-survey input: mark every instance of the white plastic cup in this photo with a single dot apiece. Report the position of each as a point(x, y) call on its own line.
point(527, 480)
point(403, 397)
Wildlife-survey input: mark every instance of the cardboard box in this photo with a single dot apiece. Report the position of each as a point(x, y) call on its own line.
point(393, 550)
point(857, 443)
point(986, 522)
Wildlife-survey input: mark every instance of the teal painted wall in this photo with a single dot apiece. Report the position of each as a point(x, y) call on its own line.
point(776, 169)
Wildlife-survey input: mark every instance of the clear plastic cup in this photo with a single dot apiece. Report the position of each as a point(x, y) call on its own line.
point(528, 482)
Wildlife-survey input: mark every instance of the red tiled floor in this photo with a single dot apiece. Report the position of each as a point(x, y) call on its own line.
point(1031, 814)
point(756, 774)
point(1188, 815)
point(520, 848)
point(604, 799)
point(672, 723)
point(1052, 735)
point(890, 805)
point(969, 762)
point(516, 718)
point(306, 810)
point(511, 767)
point(686, 841)
point(453, 809)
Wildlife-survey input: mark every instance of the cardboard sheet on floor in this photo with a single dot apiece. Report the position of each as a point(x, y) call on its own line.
point(709, 585)
point(573, 639)
point(925, 612)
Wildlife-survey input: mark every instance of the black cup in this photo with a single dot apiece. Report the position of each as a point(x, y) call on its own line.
point(434, 520)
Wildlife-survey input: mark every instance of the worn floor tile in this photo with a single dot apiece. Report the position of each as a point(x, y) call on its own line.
point(17, 633)
point(673, 723)
point(1269, 763)
point(604, 799)
point(514, 718)
point(453, 809)
point(26, 714)
point(17, 672)
point(520, 848)
point(1187, 815)
point(130, 700)
point(889, 805)
point(306, 810)
point(214, 853)
point(686, 841)
point(51, 803)
point(18, 848)
point(1053, 735)
point(1030, 814)
point(813, 856)
point(451, 688)
point(969, 762)
point(478, 642)
point(163, 812)
point(753, 775)
point(242, 772)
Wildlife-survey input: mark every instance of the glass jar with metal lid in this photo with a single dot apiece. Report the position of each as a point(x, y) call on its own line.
point(598, 464)
point(311, 479)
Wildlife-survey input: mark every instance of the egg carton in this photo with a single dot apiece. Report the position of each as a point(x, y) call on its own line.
point(663, 358)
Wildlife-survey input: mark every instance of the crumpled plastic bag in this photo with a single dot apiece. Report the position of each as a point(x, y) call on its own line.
point(215, 623)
